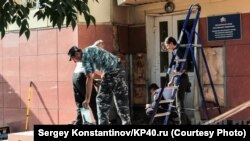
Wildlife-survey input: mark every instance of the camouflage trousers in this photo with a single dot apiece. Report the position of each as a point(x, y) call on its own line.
point(114, 86)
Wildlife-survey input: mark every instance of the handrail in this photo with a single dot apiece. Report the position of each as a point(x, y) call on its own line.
point(28, 106)
point(228, 114)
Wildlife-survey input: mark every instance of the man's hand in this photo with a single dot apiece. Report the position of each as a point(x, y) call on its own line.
point(85, 103)
point(170, 84)
point(147, 106)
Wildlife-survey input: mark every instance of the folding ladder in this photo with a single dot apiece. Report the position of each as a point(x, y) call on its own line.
point(173, 90)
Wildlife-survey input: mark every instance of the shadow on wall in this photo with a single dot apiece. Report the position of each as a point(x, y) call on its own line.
point(42, 101)
point(42, 59)
point(14, 107)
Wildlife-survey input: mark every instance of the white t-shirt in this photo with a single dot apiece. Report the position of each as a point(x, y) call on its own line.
point(79, 68)
point(167, 93)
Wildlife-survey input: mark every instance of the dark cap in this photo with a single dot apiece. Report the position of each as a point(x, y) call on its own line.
point(153, 86)
point(72, 51)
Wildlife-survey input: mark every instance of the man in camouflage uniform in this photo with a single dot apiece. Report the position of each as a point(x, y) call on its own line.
point(79, 80)
point(112, 85)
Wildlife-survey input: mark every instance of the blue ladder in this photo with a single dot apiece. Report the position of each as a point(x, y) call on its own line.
point(174, 89)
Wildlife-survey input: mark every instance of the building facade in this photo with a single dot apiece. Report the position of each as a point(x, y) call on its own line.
point(134, 29)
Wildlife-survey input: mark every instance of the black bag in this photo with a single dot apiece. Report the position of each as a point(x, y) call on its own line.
point(188, 90)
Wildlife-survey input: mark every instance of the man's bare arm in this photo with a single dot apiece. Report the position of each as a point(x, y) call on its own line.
point(89, 86)
point(99, 73)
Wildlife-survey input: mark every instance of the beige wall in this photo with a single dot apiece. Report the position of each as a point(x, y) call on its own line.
point(209, 8)
point(101, 11)
point(33, 23)
point(120, 14)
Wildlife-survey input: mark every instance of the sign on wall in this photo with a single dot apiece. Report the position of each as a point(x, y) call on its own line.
point(225, 27)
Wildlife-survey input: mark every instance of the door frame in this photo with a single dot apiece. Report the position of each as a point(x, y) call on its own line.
point(157, 43)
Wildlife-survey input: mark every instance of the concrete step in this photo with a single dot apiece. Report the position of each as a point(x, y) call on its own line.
point(21, 136)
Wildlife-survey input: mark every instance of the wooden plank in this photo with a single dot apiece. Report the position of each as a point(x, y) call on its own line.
point(220, 91)
point(215, 58)
point(228, 113)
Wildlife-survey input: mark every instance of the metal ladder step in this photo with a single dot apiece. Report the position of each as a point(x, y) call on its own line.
point(166, 101)
point(180, 60)
point(171, 87)
point(162, 114)
point(177, 73)
point(187, 45)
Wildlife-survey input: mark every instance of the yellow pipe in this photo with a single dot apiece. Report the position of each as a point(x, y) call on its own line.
point(28, 107)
